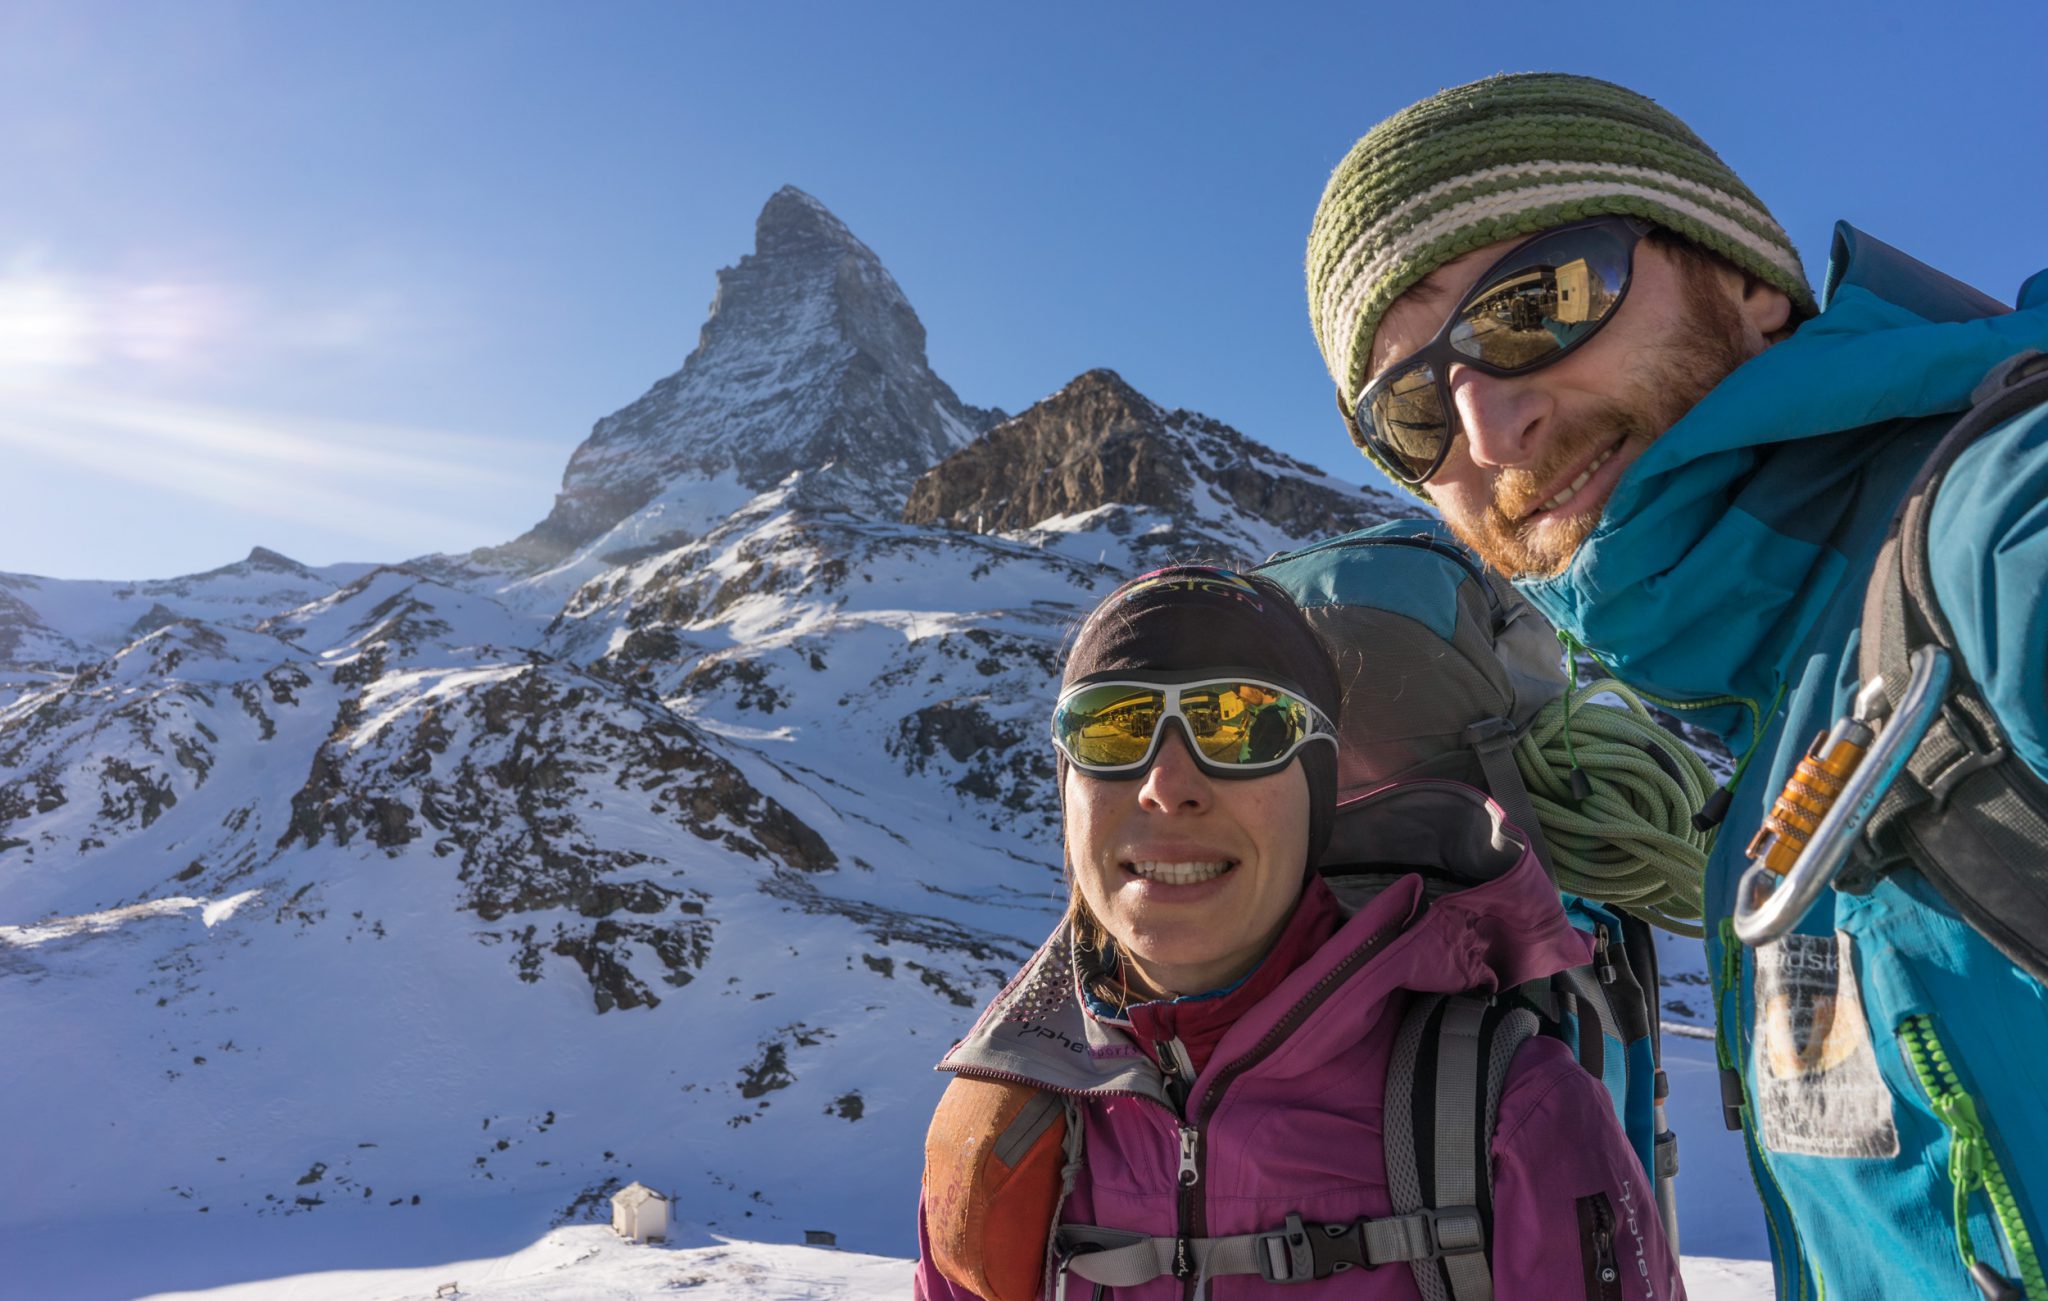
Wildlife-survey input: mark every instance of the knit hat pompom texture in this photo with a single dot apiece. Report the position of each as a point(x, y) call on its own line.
point(1509, 156)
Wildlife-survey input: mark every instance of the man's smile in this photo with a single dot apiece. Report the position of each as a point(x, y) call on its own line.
point(1576, 481)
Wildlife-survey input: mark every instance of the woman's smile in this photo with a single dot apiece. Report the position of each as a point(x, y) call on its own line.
point(1192, 876)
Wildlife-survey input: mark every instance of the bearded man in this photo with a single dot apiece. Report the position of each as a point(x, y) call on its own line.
point(1555, 313)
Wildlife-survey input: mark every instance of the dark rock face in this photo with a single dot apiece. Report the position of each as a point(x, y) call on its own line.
point(812, 360)
point(1099, 442)
point(502, 777)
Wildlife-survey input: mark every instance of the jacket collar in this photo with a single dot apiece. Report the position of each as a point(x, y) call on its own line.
point(1503, 927)
point(1723, 543)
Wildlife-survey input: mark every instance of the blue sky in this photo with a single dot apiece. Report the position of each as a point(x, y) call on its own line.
point(351, 282)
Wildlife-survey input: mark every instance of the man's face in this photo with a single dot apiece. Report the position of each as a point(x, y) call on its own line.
point(1536, 455)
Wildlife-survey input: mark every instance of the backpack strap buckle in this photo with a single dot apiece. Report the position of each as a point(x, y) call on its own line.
point(1456, 1231)
point(1300, 1253)
point(1303, 1253)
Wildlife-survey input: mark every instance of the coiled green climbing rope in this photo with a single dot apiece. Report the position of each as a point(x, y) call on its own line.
point(1630, 842)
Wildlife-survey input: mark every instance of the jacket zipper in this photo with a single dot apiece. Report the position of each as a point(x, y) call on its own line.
point(1193, 1152)
point(1603, 1270)
point(1972, 1164)
point(1178, 1068)
point(1788, 1254)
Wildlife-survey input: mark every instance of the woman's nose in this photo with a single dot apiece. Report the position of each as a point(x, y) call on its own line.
point(1174, 783)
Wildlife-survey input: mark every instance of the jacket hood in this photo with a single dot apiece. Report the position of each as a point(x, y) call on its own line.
point(1457, 902)
point(1716, 555)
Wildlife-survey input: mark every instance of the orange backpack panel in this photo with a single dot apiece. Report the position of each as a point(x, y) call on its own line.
point(992, 1174)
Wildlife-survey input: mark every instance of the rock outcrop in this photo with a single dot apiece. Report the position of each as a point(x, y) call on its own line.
point(1100, 443)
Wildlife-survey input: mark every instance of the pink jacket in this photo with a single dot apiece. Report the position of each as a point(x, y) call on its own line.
point(1285, 1117)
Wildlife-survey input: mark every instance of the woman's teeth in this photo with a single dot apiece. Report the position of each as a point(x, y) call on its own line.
point(1572, 490)
point(1180, 873)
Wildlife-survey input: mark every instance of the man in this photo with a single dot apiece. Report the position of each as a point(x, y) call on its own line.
point(1262, 721)
point(1555, 313)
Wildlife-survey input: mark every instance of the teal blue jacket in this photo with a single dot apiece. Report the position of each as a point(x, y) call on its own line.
point(1727, 579)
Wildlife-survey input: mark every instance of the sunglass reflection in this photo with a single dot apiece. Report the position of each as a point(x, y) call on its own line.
point(1247, 727)
point(1541, 300)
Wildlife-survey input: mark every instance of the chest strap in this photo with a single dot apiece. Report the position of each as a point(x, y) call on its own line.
point(1294, 1253)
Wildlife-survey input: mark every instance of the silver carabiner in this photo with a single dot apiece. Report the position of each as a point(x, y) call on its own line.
point(1767, 908)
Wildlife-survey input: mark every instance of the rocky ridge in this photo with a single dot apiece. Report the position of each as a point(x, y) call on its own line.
point(1100, 444)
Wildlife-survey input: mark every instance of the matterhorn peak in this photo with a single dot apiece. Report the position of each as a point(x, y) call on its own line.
point(792, 222)
point(811, 362)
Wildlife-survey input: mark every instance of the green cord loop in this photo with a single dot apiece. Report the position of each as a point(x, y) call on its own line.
point(1631, 842)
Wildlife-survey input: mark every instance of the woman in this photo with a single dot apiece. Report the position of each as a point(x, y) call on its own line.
point(1182, 1092)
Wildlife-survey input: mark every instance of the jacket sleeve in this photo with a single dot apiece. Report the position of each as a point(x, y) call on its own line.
point(1570, 1200)
point(1988, 556)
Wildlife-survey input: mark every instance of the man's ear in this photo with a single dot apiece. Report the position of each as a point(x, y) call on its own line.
point(1767, 309)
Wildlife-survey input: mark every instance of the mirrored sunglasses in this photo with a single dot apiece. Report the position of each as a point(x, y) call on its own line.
point(1235, 726)
point(1543, 298)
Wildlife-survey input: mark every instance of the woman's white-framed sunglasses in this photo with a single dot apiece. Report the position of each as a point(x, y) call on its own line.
point(1236, 725)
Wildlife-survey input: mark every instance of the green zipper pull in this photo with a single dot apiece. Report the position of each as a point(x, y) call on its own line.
point(1965, 1162)
point(1715, 810)
point(1972, 1166)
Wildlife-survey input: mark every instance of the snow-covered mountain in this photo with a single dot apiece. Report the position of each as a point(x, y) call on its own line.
point(49, 626)
point(673, 840)
point(812, 364)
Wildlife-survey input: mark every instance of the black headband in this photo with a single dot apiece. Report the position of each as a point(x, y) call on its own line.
point(1193, 618)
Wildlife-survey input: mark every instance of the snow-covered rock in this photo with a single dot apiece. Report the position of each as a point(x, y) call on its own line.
point(53, 623)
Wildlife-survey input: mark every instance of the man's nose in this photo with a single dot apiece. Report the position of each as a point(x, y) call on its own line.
point(1500, 416)
point(1173, 784)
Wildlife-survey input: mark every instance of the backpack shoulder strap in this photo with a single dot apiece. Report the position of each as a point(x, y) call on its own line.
point(1444, 1081)
point(1493, 741)
point(1966, 811)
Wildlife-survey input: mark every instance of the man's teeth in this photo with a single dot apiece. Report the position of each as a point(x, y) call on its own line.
point(1572, 490)
point(1180, 873)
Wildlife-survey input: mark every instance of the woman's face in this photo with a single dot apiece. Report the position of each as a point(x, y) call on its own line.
point(1192, 876)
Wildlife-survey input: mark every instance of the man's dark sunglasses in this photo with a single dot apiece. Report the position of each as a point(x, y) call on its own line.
point(1545, 297)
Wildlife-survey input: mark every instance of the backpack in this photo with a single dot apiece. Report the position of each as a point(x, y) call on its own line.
point(1401, 606)
point(1931, 781)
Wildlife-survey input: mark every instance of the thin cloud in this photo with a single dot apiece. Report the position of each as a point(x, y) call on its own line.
point(54, 325)
point(216, 437)
point(59, 326)
point(352, 478)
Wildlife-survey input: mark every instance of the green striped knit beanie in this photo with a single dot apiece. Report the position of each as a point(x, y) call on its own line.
point(1510, 156)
